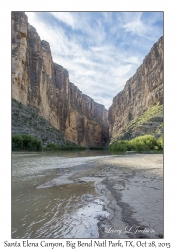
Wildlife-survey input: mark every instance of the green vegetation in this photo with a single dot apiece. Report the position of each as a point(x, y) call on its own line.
point(17, 142)
point(155, 111)
point(120, 146)
point(27, 121)
point(97, 148)
point(138, 144)
point(26, 142)
point(160, 142)
point(51, 147)
point(69, 146)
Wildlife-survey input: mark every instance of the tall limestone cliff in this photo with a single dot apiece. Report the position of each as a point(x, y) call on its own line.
point(40, 83)
point(142, 97)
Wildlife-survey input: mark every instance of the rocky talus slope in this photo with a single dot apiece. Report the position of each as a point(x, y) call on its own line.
point(43, 85)
point(138, 108)
point(150, 122)
point(25, 120)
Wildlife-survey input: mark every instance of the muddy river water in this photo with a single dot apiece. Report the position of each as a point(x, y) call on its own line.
point(44, 206)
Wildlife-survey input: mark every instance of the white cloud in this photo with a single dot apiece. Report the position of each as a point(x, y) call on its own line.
point(65, 17)
point(133, 60)
point(135, 25)
point(98, 64)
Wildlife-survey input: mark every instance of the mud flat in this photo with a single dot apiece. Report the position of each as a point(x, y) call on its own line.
point(128, 202)
point(130, 189)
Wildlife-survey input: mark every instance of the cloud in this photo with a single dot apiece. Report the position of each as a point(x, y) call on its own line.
point(65, 17)
point(134, 24)
point(101, 50)
point(142, 24)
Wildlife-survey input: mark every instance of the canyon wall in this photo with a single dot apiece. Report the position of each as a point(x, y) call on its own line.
point(140, 93)
point(40, 83)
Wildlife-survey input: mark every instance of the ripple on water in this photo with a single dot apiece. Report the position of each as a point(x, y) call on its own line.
point(83, 222)
point(57, 211)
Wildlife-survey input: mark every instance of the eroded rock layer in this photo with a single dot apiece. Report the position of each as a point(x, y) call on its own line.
point(39, 82)
point(141, 92)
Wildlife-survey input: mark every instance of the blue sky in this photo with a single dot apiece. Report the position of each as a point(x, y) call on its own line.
point(101, 50)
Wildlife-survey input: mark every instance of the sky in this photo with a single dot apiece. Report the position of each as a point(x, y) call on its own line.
point(101, 50)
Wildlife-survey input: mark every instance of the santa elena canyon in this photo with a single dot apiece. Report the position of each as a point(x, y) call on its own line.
point(95, 173)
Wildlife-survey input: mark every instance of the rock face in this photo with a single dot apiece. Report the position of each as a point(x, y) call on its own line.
point(25, 120)
point(39, 82)
point(150, 122)
point(140, 93)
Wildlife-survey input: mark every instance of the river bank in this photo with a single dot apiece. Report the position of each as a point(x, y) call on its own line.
point(111, 196)
point(132, 189)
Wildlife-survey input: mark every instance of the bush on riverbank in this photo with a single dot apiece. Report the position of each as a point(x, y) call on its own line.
point(138, 144)
point(69, 146)
point(51, 147)
point(96, 148)
point(160, 142)
point(26, 142)
point(72, 146)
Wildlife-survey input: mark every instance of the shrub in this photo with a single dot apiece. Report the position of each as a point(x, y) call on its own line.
point(144, 142)
point(140, 143)
point(31, 143)
point(160, 142)
point(26, 142)
point(69, 146)
point(52, 146)
point(120, 146)
point(96, 148)
point(17, 142)
point(72, 146)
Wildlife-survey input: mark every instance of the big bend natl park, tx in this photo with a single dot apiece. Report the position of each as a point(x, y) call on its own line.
point(87, 125)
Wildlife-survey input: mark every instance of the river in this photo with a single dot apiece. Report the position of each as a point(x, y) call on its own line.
point(44, 206)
